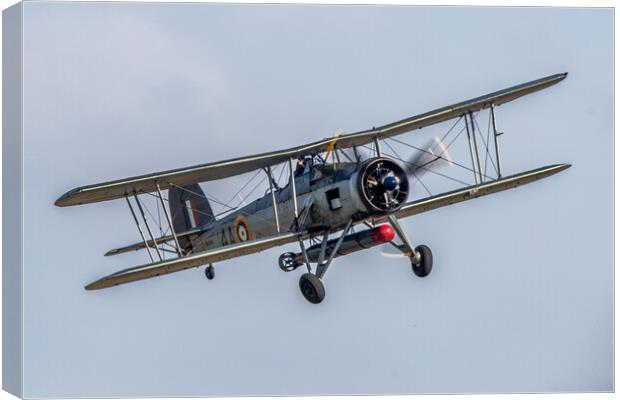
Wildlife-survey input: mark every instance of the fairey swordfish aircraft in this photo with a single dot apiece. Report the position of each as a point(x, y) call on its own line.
point(329, 208)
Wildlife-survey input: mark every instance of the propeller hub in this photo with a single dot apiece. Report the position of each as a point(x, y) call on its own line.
point(390, 182)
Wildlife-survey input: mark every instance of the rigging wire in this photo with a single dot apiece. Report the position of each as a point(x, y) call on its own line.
point(204, 196)
point(282, 168)
point(244, 186)
point(252, 191)
point(435, 155)
point(450, 130)
point(430, 170)
point(210, 215)
point(485, 146)
point(413, 173)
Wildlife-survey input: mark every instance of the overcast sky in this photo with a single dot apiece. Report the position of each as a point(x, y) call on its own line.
point(520, 298)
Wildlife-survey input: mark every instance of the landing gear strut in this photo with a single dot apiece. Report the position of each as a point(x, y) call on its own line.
point(210, 272)
point(310, 283)
point(421, 257)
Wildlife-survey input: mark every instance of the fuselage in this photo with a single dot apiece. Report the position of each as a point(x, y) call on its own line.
point(332, 190)
point(327, 186)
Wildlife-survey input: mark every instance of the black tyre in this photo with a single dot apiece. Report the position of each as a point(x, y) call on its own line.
point(287, 262)
point(210, 272)
point(312, 288)
point(425, 265)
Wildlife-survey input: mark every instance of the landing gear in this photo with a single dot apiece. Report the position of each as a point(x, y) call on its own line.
point(422, 261)
point(422, 258)
point(312, 288)
point(310, 284)
point(287, 262)
point(210, 272)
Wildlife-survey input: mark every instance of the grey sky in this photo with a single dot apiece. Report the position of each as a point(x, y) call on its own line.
point(521, 295)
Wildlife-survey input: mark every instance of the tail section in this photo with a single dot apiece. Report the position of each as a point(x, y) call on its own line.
point(189, 209)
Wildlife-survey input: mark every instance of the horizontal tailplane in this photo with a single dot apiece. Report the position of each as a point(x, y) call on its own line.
point(188, 235)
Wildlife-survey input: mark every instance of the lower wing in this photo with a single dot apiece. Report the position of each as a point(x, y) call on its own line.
point(254, 246)
point(483, 189)
point(193, 260)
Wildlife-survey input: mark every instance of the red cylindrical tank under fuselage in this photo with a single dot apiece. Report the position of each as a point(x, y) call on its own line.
point(351, 243)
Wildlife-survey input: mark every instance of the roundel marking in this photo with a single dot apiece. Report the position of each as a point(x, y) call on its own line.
point(242, 232)
point(241, 229)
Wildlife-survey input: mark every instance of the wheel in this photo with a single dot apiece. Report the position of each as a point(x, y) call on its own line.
point(210, 272)
point(312, 288)
point(424, 266)
point(287, 262)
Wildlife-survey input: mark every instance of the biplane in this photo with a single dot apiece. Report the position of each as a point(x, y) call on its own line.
point(340, 195)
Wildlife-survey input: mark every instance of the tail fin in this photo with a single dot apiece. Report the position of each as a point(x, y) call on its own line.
point(189, 209)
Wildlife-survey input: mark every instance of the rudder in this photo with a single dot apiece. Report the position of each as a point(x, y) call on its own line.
point(189, 209)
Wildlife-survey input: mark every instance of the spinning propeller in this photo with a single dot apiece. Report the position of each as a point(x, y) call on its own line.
point(433, 156)
point(384, 184)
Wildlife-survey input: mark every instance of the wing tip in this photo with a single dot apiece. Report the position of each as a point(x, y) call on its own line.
point(98, 284)
point(111, 252)
point(562, 167)
point(61, 201)
point(561, 76)
point(556, 168)
point(65, 199)
point(555, 78)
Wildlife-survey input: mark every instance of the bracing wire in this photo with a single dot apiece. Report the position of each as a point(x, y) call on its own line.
point(435, 155)
point(427, 169)
point(282, 168)
point(486, 147)
point(414, 174)
point(244, 186)
point(200, 195)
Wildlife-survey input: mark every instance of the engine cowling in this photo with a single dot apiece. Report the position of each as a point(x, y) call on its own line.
point(382, 185)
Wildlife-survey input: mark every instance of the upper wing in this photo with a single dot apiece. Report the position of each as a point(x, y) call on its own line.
point(218, 170)
point(472, 192)
point(193, 260)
